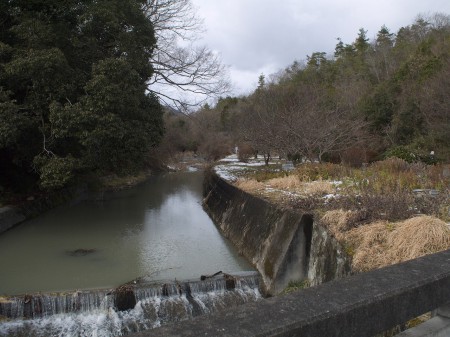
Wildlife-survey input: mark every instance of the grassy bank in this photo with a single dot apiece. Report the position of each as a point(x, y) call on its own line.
point(385, 213)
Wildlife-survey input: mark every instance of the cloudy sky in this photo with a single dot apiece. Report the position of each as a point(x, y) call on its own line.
point(264, 36)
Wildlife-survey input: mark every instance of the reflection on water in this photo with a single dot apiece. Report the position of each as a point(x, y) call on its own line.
point(158, 229)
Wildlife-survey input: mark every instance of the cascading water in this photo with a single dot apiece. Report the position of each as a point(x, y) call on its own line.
point(95, 313)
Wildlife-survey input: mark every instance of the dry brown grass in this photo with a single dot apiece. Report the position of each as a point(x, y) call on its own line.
point(338, 222)
point(419, 236)
point(382, 243)
point(316, 171)
point(293, 184)
point(375, 217)
point(318, 187)
point(369, 246)
point(290, 183)
point(249, 185)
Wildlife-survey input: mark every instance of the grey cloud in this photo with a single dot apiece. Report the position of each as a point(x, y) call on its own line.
point(252, 35)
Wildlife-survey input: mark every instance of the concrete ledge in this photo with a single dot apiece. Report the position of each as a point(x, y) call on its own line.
point(361, 305)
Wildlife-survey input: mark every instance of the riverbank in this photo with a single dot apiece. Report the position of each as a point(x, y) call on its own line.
point(13, 215)
point(379, 216)
point(284, 245)
point(382, 214)
point(29, 206)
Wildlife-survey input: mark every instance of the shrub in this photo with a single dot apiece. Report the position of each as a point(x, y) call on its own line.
point(402, 152)
point(390, 165)
point(411, 155)
point(296, 158)
point(357, 156)
point(319, 171)
point(245, 152)
point(215, 148)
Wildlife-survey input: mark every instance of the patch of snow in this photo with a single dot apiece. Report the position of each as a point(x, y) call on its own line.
point(271, 189)
point(230, 158)
point(225, 173)
point(251, 164)
point(192, 169)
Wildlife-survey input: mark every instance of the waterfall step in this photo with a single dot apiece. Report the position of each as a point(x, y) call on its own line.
point(125, 297)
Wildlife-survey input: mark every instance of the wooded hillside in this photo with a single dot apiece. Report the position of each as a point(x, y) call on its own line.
point(389, 96)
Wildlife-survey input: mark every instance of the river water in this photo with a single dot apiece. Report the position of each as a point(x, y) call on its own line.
point(158, 230)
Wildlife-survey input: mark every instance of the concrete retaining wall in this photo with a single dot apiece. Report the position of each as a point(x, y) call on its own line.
point(282, 244)
point(357, 306)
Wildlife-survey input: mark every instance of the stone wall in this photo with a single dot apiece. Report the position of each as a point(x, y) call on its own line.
point(282, 244)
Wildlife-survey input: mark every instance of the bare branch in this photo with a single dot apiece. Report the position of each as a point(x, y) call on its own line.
point(184, 74)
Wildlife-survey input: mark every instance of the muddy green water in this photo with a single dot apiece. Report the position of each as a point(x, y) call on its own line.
point(158, 229)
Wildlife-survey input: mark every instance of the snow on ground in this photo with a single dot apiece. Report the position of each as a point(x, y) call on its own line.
point(230, 167)
point(230, 158)
point(224, 172)
point(192, 169)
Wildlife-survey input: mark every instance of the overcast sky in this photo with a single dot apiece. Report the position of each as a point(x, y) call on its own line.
point(264, 36)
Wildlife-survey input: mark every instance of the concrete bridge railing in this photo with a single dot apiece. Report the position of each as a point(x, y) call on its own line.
point(360, 305)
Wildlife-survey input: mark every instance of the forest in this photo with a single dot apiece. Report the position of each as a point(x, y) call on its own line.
point(77, 98)
point(370, 100)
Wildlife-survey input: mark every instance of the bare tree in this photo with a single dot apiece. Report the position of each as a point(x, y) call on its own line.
point(185, 74)
point(296, 120)
point(258, 123)
point(316, 128)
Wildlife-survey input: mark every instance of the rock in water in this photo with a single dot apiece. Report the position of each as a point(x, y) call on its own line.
point(81, 252)
point(124, 298)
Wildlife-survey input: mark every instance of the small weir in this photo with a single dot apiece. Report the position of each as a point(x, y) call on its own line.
point(133, 307)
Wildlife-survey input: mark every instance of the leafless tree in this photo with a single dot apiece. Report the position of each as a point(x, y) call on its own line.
point(258, 124)
point(185, 74)
point(296, 120)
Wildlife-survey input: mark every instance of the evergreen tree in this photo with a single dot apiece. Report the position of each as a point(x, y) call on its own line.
point(73, 89)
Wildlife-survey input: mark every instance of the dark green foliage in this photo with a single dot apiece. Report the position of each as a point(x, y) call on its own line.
point(374, 97)
point(411, 154)
point(73, 89)
point(55, 172)
point(380, 106)
point(402, 152)
point(224, 106)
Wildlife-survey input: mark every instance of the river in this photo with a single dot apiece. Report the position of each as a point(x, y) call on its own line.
point(158, 230)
